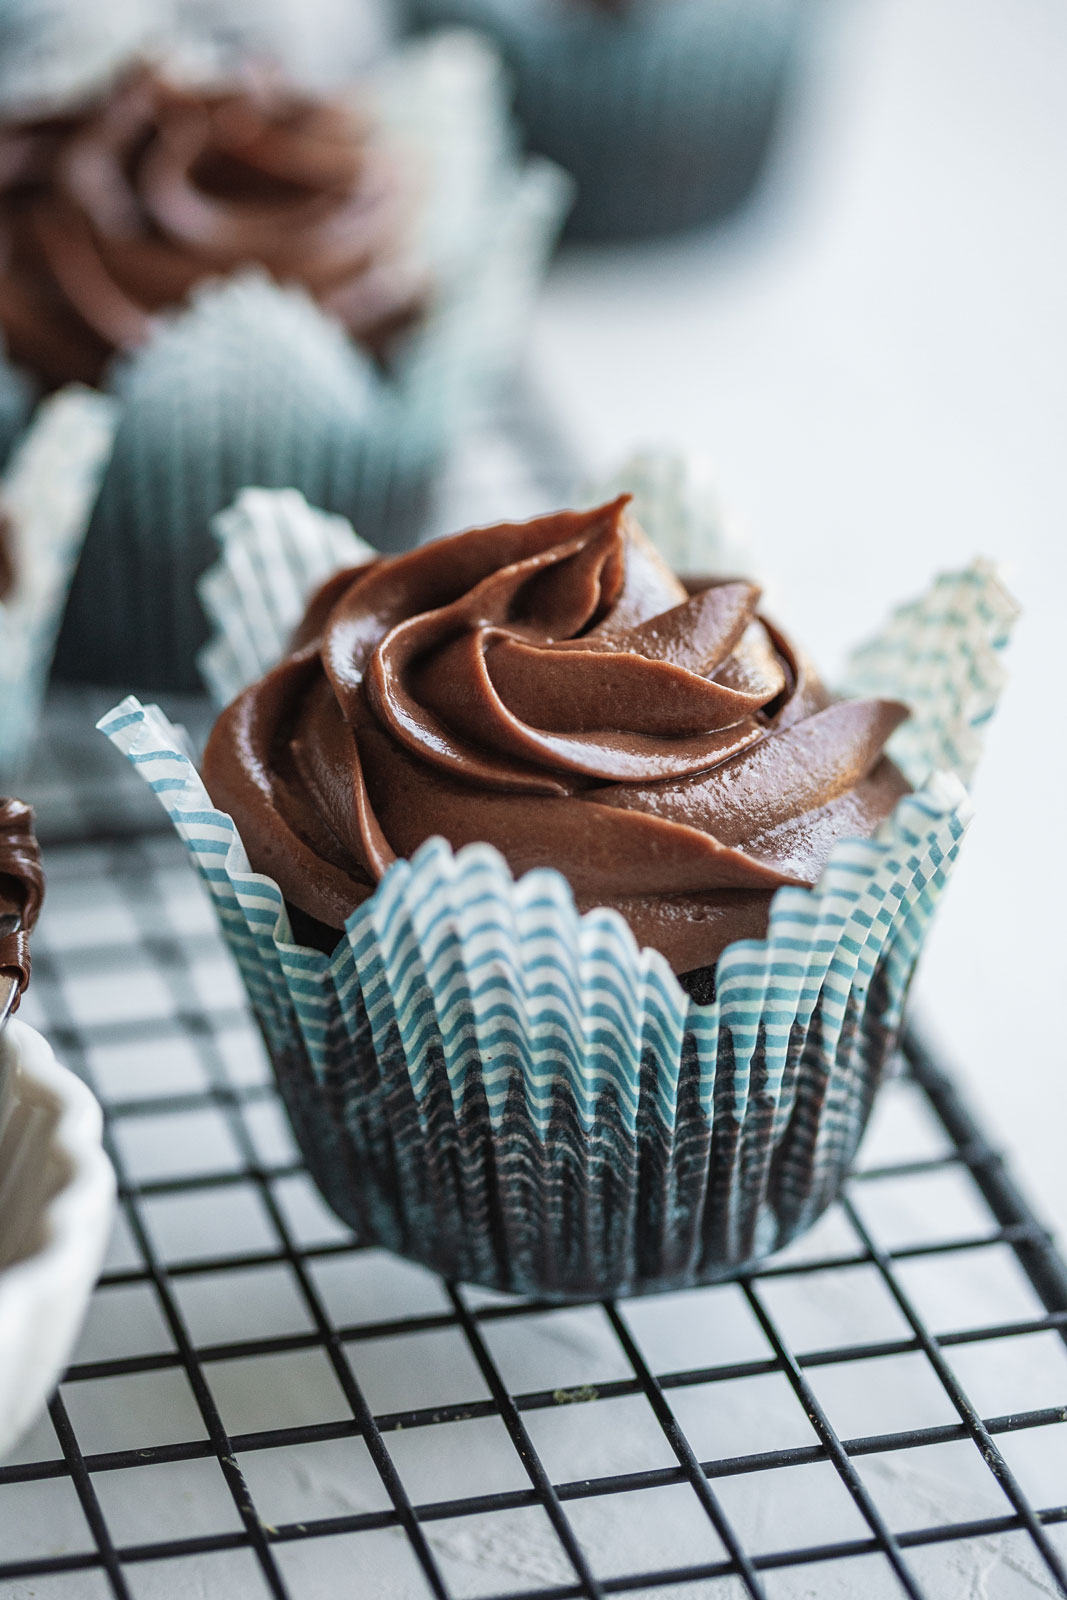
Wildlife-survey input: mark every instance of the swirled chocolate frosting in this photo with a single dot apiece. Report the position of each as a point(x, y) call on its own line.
point(112, 213)
point(552, 688)
point(21, 887)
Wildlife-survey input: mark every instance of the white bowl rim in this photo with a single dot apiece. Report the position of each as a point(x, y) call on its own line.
point(63, 1268)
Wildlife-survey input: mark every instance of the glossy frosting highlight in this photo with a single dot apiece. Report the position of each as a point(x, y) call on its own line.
point(113, 212)
point(21, 886)
point(553, 689)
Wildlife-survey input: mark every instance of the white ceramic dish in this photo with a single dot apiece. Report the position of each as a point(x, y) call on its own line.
point(57, 1193)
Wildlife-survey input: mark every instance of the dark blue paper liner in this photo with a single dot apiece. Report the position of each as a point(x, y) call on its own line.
point(664, 115)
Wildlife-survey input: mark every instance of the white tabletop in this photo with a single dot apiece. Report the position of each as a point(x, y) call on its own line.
point(874, 357)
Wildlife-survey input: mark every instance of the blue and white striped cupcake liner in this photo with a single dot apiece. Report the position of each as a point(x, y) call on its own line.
point(516, 1095)
point(251, 384)
point(663, 115)
point(274, 550)
point(47, 489)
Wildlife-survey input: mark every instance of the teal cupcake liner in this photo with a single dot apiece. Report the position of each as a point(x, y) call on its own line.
point(511, 1093)
point(969, 614)
point(252, 385)
point(663, 115)
point(47, 490)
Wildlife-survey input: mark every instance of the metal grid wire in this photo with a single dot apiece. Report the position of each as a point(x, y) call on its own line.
point(290, 1343)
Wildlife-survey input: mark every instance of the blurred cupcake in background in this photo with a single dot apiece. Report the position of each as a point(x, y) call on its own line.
point(577, 914)
point(283, 287)
point(662, 110)
point(112, 212)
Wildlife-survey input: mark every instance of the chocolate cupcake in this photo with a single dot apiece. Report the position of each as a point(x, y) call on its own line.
point(483, 1075)
point(662, 110)
point(392, 259)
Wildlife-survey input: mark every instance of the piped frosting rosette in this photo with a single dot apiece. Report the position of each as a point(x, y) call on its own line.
point(516, 1094)
point(399, 249)
point(47, 491)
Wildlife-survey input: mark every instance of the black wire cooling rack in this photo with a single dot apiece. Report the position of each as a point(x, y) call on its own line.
point(260, 1406)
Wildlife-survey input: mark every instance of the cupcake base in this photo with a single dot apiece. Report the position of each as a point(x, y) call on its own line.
point(435, 1179)
point(588, 1198)
point(663, 115)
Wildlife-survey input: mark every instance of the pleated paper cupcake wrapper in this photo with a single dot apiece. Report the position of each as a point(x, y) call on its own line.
point(274, 552)
point(663, 116)
point(252, 385)
point(47, 490)
point(518, 1096)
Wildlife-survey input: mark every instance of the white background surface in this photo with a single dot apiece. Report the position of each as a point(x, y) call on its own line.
point(876, 360)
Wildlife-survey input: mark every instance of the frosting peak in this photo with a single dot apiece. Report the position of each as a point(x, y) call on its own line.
point(551, 688)
point(112, 212)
